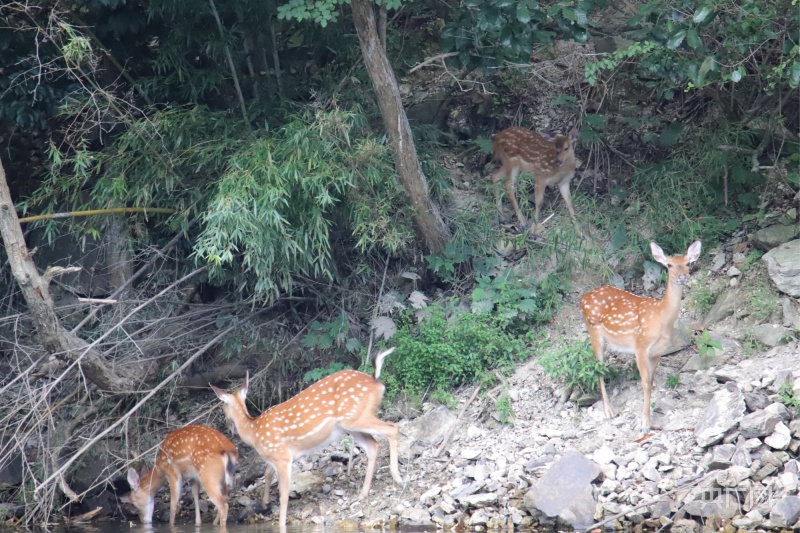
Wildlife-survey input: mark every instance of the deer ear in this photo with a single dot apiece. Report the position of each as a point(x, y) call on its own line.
point(133, 479)
point(573, 134)
point(694, 252)
point(221, 394)
point(245, 385)
point(658, 253)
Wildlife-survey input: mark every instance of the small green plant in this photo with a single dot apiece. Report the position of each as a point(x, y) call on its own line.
point(788, 397)
point(445, 398)
point(763, 301)
point(706, 346)
point(702, 296)
point(504, 409)
point(315, 374)
point(750, 260)
point(575, 363)
point(673, 380)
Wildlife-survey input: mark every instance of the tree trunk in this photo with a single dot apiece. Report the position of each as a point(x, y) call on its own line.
point(35, 289)
point(430, 225)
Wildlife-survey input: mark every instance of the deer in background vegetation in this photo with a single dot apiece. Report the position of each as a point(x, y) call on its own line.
point(345, 401)
point(551, 160)
point(633, 324)
point(199, 453)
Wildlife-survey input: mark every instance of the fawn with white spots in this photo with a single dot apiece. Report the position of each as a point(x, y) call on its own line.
point(551, 160)
point(633, 324)
point(199, 453)
point(342, 402)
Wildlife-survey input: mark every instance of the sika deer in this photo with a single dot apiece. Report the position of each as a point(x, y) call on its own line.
point(628, 323)
point(199, 453)
point(551, 160)
point(342, 402)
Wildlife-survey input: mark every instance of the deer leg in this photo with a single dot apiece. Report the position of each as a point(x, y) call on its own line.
point(174, 497)
point(599, 347)
point(563, 187)
point(496, 176)
point(284, 471)
point(370, 446)
point(538, 198)
point(372, 425)
point(196, 496)
point(511, 183)
point(267, 484)
point(217, 493)
point(645, 374)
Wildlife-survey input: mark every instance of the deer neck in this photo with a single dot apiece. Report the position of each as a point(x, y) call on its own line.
point(245, 425)
point(151, 481)
point(670, 305)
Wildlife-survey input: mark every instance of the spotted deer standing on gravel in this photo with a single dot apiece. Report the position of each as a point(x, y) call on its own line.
point(344, 402)
point(633, 324)
point(199, 453)
point(551, 160)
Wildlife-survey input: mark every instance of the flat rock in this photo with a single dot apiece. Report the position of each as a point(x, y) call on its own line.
point(769, 334)
point(722, 413)
point(758, 424)
point(724, 307)
point(780, 438)
point(731, 477)
point(784, 268)
point(786, 512)
point(424, 431)
point(415, 517)
point(565, 491)
point(772, 236)
point(478, 500)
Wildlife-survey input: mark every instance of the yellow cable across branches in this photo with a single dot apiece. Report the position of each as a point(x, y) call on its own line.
point(69, 214)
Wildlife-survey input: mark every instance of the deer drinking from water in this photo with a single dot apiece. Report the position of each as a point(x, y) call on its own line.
point(551, 160)
point(199, 453)
point(344, 402)
point(633, 324)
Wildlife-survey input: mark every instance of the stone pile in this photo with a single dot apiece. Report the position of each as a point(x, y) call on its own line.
point(727, 459)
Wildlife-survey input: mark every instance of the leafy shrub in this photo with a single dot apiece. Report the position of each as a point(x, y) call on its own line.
point(575, 363)
point(316, 374)
point(448, 348)
point(443, 345)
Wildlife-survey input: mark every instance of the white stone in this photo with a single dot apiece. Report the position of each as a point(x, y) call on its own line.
point(780, 438)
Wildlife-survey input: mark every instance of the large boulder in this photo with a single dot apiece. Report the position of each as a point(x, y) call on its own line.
point(424, 431)
point(768, 238)
point(784, 268)
point(722, 413)
point(565, 491)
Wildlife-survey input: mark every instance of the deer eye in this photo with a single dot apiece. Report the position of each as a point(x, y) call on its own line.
point(669, 265)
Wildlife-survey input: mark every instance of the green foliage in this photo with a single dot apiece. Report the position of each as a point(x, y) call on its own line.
point(713, 43)
point(317, 374)
point(517, 301)
point(505, 410)
point(673, 380)
point(706, 346)
point(788, 397)
point(445, 264)
point(279, 199)
point(446, 347)
point(701, 296)
point(575, 363)
point(324, 335)
point(490, 33)
point(441, 346)
point(445, 398)
point(270, 203)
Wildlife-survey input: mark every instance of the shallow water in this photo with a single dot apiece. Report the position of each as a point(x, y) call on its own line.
point(136, 527)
